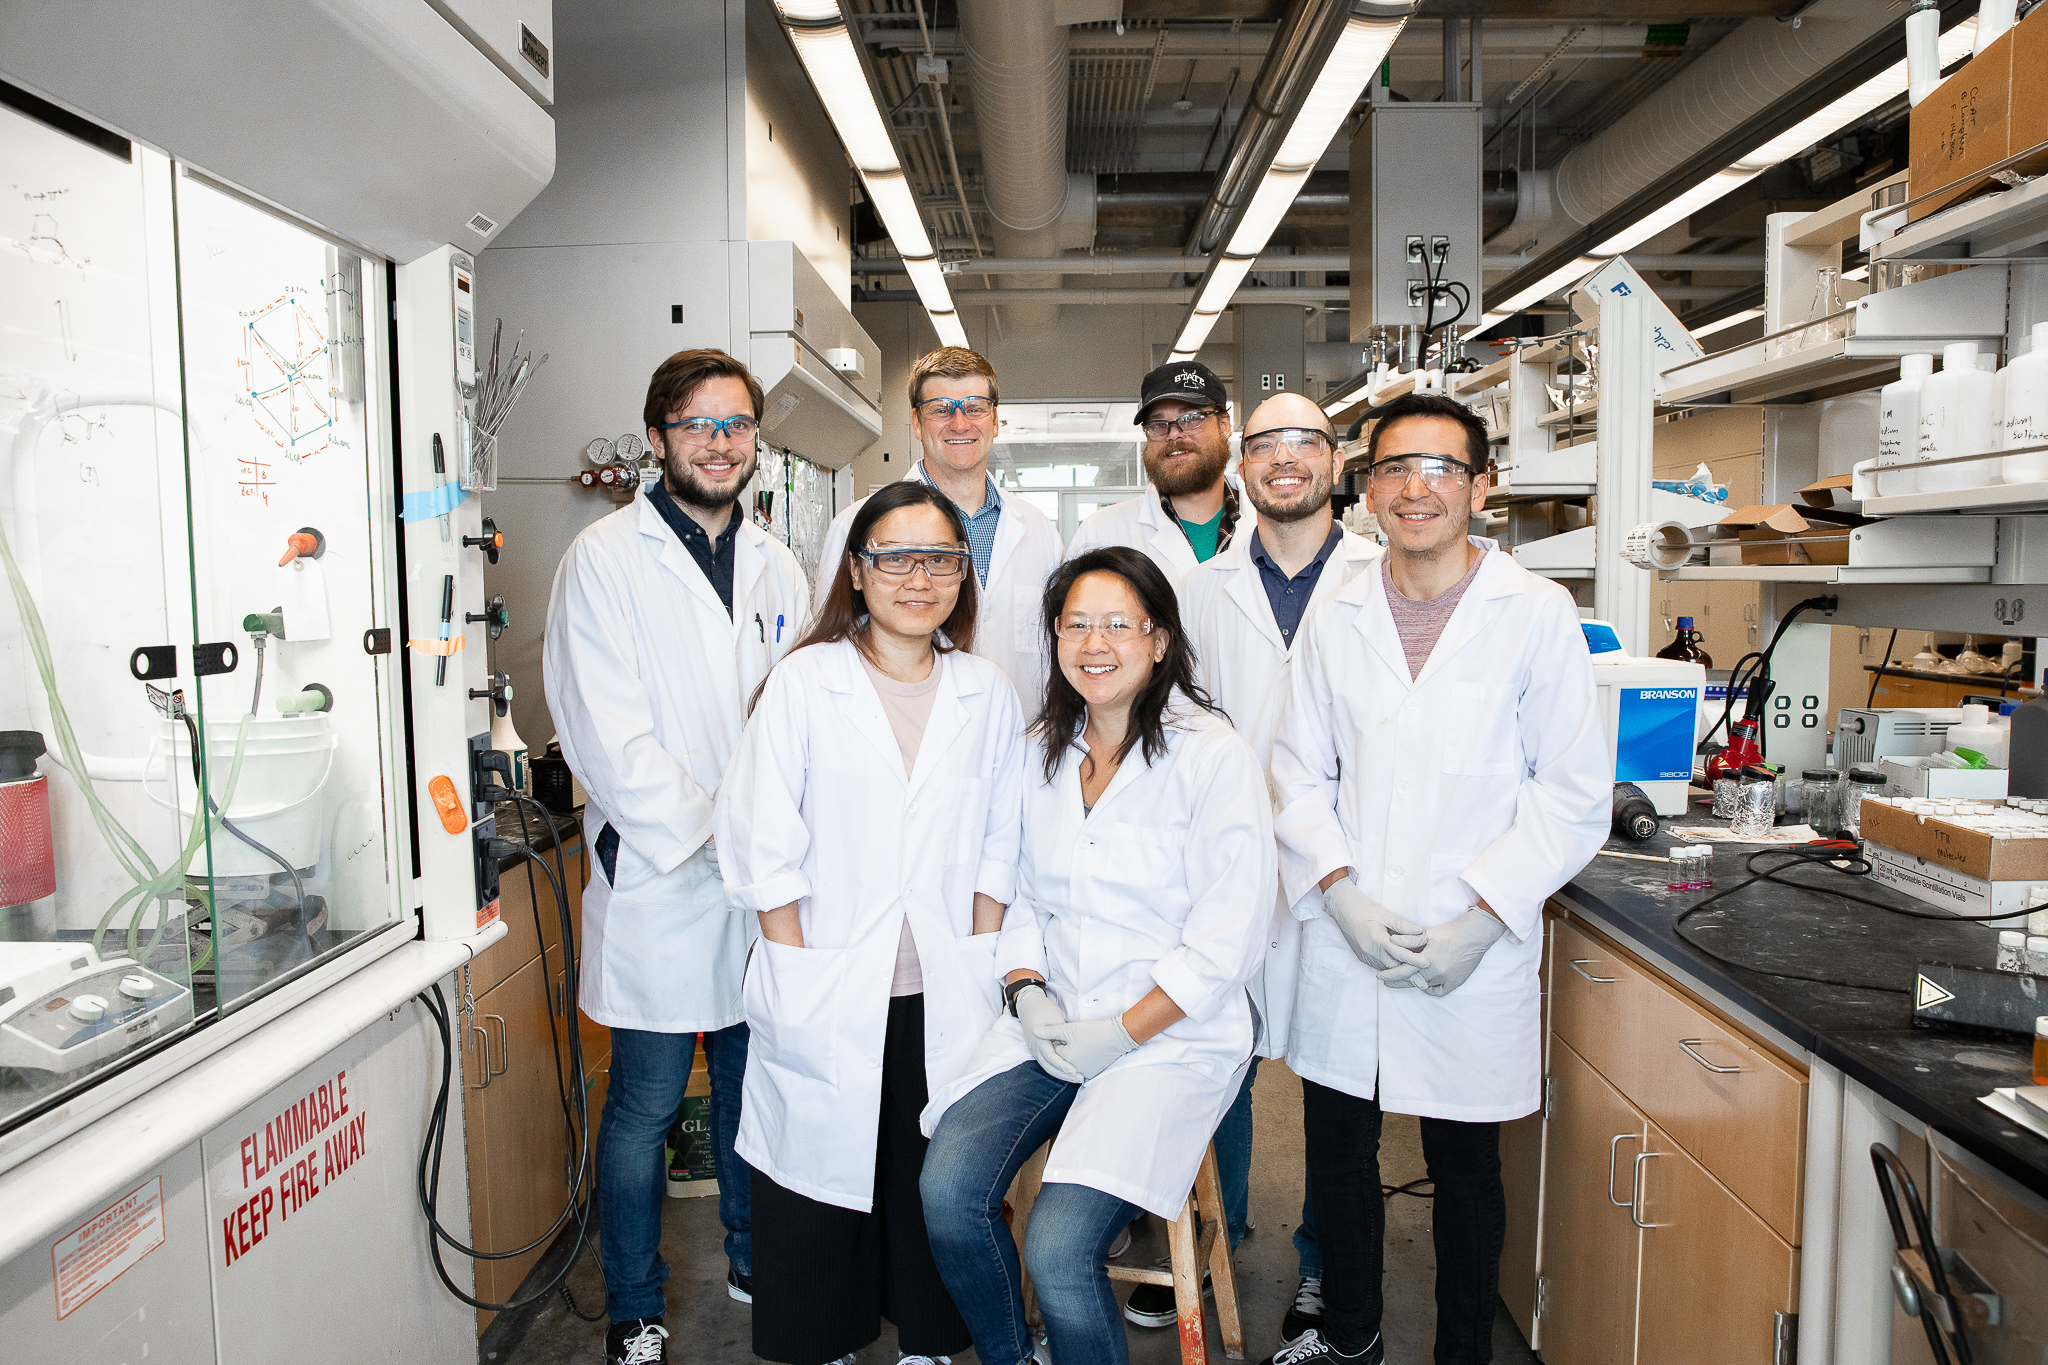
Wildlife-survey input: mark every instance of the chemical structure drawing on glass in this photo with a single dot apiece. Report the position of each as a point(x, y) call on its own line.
point(287, 379)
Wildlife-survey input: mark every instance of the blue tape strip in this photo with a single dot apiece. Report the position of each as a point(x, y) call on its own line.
point(435, 502)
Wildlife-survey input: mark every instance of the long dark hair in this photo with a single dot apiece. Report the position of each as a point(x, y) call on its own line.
point(843, 615)
point(1059, 719)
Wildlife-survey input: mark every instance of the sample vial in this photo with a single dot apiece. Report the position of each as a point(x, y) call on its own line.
point(2037, 955)
point(2012, 951)
point(1675, 879)
point(1703, 866)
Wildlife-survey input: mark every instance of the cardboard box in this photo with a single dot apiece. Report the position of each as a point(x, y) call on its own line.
point(1765, 531)
point(1992, 858)
point(1956, 892)
point(1832, 494)
point(1994, 108)
point(1962, 784)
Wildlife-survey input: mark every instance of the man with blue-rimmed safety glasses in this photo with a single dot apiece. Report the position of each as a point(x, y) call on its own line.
point(665, 616)
point(953, 405)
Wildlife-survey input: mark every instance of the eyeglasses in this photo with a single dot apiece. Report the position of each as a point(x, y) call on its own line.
point(1187, 424)
point(703, 430)
point(941, 566)
point(1439, 475)
point(974, 409)
point(1299, 441)
point(1115, 629)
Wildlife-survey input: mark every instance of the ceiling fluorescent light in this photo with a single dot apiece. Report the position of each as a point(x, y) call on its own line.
point(1193, 333)
point(1270, 202)
point(1349, 394)
point(896, 206)
point(930, 283)
point(1707, 329)
point(1358, 54)
point(809, 11)
point(1224, 278)
point(834, 67)
point(951, 333)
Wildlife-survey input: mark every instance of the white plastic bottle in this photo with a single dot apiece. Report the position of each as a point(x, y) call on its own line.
point(1955, 419)
point(2024, 410)
point(1982, 733)
point(1898, 426)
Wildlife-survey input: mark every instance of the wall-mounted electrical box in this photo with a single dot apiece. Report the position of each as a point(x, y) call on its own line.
point(1415, 173)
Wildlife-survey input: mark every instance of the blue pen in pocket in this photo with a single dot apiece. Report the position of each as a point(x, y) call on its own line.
point(778, 628)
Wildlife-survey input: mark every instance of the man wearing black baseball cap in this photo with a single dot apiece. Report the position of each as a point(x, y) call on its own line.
point(1190, 511)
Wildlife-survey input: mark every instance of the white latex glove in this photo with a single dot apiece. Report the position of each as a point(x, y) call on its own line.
point(1448, 955)
point(1089, 1045)
point(1036, 1009)
point(1372, 930)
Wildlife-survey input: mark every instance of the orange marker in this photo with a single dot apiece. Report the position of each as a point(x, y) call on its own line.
point(453, 818)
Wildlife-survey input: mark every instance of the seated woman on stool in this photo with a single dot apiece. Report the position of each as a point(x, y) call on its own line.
point(1142, 897)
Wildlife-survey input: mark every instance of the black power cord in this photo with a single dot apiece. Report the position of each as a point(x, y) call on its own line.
point(1878, 676)
point(1758, 677)
point(576, 1110)
point(1838, 856)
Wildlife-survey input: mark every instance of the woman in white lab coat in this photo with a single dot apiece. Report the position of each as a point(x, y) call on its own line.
point(870, 817)
point(1143, 896)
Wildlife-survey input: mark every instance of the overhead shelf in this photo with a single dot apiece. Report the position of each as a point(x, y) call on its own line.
point(1816, 573)
point(2009, 223)
point(1997, 497)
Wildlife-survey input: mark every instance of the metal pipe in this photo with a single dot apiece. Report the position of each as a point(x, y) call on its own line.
point(1017, 61)
point(1161, 263)
point(1331, 298)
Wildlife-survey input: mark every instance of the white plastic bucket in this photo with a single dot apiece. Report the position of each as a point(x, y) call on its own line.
point(285, 764)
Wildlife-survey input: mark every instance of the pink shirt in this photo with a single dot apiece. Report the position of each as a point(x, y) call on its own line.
point(1420, 624)
point(908, 706)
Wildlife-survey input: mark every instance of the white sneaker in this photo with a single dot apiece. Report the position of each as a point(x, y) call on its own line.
point(1041, 1349)
point(1121, 1244)
point(902, 1359)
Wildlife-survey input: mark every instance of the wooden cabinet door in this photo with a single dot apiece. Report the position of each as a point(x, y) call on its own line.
point(1714, 1275)
point(1589, 1244)
point(514, 1124)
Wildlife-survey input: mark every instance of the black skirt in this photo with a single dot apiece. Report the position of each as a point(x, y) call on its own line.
point(826, 1276)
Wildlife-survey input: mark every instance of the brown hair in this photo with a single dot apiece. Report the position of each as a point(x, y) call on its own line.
point(951, 362)
point(677, 379)
point(843, 613)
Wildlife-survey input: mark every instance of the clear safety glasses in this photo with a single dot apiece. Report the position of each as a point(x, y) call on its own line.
point(973, 409)
point(1438, 474)
point(1302, 443)
point(1187, 424)
point(703, 430)
point(1115, 629)
point(942, 566)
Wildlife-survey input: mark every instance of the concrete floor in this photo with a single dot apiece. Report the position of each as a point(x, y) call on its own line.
point(710, 1329)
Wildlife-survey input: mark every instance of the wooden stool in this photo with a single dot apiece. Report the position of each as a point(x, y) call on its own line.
point(1188, 1255)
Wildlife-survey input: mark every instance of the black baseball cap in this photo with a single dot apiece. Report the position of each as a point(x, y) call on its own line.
point(1188, 380)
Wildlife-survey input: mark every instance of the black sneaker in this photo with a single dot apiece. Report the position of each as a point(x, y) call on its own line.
point(642, 1341)
point(738, 1286)
point(1306, 1312)
point(1312, 1349)
point(1153, 1305)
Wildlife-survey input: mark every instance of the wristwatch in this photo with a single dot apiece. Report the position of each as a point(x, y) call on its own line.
point(1015, 988)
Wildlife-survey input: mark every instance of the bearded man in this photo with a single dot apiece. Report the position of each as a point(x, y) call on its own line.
point(1190, 512)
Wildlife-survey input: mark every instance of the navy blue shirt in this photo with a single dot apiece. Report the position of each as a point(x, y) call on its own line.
point(715, 559)
point(1289, 596)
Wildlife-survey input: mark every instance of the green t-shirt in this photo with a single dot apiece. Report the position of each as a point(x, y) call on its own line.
point(1203, 535)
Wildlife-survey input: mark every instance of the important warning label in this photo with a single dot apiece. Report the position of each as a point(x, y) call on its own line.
point(96, 1253)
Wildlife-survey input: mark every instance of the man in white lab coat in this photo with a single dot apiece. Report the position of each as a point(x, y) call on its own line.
point(1244, 610)
point(665, 616)
point(1190, 512)
point(953, 398)
point(1442, 769)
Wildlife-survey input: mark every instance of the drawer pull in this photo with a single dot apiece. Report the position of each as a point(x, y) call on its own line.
point(483, 1047)
point(1578, 965)
point(1635, 1208)
point(1686, 1045)
point(1613, 1144)
point(504, 1046)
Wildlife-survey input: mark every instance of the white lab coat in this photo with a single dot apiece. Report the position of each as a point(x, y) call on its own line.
point(1487, 776)
point(1008, 631)
point(815, 809)
point(1242, 662)
point(1142, 524)
point(1165, 884)
point(647, 681)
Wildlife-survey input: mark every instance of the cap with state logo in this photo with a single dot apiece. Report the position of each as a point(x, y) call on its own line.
point(1188, 380)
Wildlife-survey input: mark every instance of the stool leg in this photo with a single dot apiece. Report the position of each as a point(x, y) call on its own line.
point(1187, 1286)
point(1023, 1195)
point(1222, 1271)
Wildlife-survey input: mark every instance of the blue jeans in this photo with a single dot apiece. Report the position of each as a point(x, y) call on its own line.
point(1234, 1170)
point(648, 1073)
point(973, 1157)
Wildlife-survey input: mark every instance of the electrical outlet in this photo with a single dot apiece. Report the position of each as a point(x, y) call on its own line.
point(1418, 290)
point(1440, 248)
point(1414, 247)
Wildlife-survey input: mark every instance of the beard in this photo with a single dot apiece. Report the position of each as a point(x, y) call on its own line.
point(1313, 497)
point(679, 477)
point(1191, 476)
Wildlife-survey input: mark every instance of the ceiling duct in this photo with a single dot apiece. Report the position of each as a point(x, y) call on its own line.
point(1017, 64)
point(1753, 68)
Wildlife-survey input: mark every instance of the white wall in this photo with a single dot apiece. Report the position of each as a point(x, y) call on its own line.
point(798, 183)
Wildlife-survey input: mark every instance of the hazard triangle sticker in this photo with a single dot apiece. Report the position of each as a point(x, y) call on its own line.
point(1928, 995)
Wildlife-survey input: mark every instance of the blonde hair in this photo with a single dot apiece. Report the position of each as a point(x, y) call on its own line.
point(951, 362)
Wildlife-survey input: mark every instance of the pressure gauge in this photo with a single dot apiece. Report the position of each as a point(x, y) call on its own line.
point(629, 448)
point(598, 451)
point(464, 291)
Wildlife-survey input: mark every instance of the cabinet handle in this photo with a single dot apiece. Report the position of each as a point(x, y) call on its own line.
point(483, 1047)
point(1578, 965)
point(1613, 1145)
point(504, 1047)
point(1635, 1194)
point(1686, 1045)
